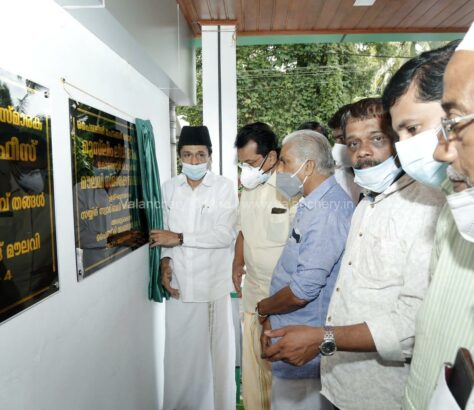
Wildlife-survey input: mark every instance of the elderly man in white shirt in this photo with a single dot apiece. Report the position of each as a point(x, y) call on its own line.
point(383, 278)
point(200, 213)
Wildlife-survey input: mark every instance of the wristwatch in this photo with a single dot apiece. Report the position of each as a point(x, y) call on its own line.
point(258, 313)
point(328, 346)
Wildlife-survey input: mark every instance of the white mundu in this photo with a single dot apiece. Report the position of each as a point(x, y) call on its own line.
point(200, 340)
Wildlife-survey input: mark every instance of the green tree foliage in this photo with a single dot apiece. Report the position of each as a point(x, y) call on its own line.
point(285, 85)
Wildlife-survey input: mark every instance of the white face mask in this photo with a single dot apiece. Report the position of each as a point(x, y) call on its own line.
point(462, 208)
point(340, 153)
point(251, 177)
point(416, 157)
point(379, 178)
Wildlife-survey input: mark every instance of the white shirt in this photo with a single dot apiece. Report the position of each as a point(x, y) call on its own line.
point(383, 278)
point(206, 216)
point(265, 221)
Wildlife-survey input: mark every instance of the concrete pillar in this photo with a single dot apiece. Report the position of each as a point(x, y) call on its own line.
point(219, 88)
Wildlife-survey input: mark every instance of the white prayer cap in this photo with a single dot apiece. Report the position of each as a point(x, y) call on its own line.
point(468, 41)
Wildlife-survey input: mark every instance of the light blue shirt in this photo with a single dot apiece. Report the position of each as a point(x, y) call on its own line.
point(310, 263)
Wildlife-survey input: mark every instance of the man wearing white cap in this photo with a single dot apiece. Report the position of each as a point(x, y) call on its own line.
point(445, 321)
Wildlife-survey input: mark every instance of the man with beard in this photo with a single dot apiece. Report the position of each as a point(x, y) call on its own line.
point(383, 278)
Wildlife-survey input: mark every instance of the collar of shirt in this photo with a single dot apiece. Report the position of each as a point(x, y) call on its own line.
point(447, 187)
point(208, 179)
point(272, 180)
point(317, 193)
point(398, 185)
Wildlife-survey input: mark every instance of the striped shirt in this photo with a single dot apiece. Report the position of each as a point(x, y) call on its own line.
point(445, 320)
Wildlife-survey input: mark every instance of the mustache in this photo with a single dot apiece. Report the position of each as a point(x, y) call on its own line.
point(366, 163)
point(456, 176)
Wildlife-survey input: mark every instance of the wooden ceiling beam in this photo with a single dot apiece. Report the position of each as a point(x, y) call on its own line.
point(356, 31)
point(218, 22)
point(291, 17)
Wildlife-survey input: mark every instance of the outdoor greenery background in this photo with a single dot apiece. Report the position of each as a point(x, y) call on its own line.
point(286, 85)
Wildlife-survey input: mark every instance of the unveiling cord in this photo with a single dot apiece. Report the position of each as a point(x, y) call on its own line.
point(66, 84)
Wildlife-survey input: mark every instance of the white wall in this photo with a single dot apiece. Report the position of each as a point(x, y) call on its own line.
point(97, 344)
point(162, 31)
point(151, 34)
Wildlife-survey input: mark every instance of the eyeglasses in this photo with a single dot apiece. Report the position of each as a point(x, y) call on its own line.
point(244, 164)
point(447, 124)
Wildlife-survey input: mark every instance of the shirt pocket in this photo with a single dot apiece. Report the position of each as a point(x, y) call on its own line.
point(289, 257)
point(278, 228)
point(384, 264)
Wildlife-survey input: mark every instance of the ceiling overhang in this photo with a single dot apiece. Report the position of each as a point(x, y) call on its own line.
point(290, 18)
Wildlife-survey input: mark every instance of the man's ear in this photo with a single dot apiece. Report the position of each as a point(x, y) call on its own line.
point(272, 158)
point(309, 168)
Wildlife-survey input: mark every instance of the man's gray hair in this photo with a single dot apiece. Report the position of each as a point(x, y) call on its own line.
point(311, 145)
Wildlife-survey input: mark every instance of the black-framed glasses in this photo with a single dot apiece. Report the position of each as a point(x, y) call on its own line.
point(447, 124)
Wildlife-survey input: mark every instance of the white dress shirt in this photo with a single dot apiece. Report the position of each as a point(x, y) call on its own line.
point(265, 234)
point(206, 216)
point(383, 278)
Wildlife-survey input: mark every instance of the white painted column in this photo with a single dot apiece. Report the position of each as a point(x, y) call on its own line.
point(219, 89)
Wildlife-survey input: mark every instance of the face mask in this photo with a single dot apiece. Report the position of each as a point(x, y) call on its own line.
point(340, 154)
point(378, 178)
point(195, 172)
point(251, 177)
point(31, 181)
point(462, 208)
point(416, 157)
point(288, 184)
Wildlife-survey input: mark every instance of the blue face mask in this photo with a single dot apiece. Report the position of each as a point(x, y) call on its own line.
point(288, 184)
point(416, 157)
point(379, 178)
point(195, 172)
